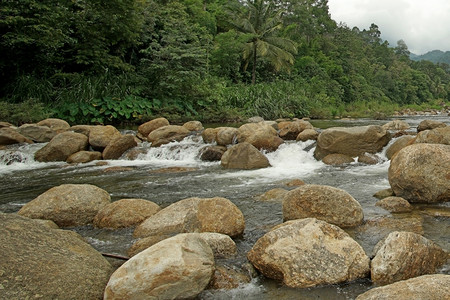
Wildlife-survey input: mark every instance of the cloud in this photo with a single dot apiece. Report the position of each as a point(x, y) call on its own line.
point(423, 25)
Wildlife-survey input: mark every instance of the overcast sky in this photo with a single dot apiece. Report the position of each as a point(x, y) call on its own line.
point(424, 25)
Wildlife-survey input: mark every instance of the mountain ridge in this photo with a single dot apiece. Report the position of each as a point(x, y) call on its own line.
point(435, 56)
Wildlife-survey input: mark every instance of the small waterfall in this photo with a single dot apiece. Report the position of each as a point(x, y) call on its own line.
point(19, 157)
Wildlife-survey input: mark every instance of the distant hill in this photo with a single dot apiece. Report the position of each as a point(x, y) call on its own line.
point(436, 56)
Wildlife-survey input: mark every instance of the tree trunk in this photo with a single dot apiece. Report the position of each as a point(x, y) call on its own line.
point(254, 64)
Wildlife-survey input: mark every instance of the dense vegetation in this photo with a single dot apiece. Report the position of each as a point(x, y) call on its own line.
point(213, 60)
point(436, 56)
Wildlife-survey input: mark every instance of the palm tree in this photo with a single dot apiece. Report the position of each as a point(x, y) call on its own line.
point(261, 21)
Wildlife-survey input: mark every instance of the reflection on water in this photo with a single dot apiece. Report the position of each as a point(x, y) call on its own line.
point(22, 179)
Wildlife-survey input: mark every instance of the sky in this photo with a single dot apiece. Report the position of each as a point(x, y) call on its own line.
point(424, 25)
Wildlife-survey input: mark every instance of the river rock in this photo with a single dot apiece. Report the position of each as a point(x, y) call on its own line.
point(9, 136)
point(56, 125)
point(84, 157)
point(147, 127)
point(67, 204)
point(166, 134)
point(351, 141)
point(291, 130)
point(212, 153)
point(395, 204)
point(175, 268)
point(396, 125)
point(193, 126)
point(309, 252)
point(404, 255)
point(435, 136)
point(368, 159)
point(244, 156)
point(226, 135)
point(195, 215)
point(306, 135)
point(209, 135)
point(430, 124)
point(100, 136)
point(337, 159)
point(43, 263)
point(399, 144)
point(261, 135)
point(227, 278)
point(426, 287)
point(221, 245)
point(5, 124)
point(118, 146)
point(421, 173)
point(384, 193)
point(276, 194)
point(62, 146)
point(125, 213)
point(295, 182)
point(83, 129)
point(326, 203)
point(39, 134)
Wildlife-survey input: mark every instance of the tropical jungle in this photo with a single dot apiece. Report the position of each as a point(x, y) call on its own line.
point(129, 61)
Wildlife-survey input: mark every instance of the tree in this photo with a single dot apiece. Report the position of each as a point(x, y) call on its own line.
point(262, 22)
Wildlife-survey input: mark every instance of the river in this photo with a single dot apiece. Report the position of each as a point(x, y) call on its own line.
point(23, 179)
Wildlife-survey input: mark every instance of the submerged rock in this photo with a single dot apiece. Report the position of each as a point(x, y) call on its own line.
point(43, 263)
point(395, 204)
point(309, 252)
point(326, 203)
point(176, 268)
point(403, 255)
point(67, 204)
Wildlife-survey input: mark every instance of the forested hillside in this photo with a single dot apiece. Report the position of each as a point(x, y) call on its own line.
point(212, 60)
point(435, 56)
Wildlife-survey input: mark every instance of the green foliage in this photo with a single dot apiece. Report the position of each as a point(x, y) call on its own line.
point(107, 110)
point(28, 111)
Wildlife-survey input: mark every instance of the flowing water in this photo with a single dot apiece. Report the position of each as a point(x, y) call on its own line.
point(22, 179)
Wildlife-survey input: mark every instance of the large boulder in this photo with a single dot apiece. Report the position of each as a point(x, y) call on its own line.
point(195, 215)
point(62, 146)
point(244, 156)
point(67, 204)
point(399, 144)
point(291, 130)
point(118, 146)
point(146, 128)
point(83, 129)
point(193, 126)
point(43, 263)
point(100, 136)
point(261, 135)
point(9, 136)
point(426, 287)
point(56, 125)
point(39, 134)
point(326, 203)
point(166, 134)
point(351, 141)
point(309, 252)
point(435, 136)
point(175, 268)
point(307, 134)
point(125, 213)
point(404, 255)
point(421, 173)
point(225, 135)
point(430, 124)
